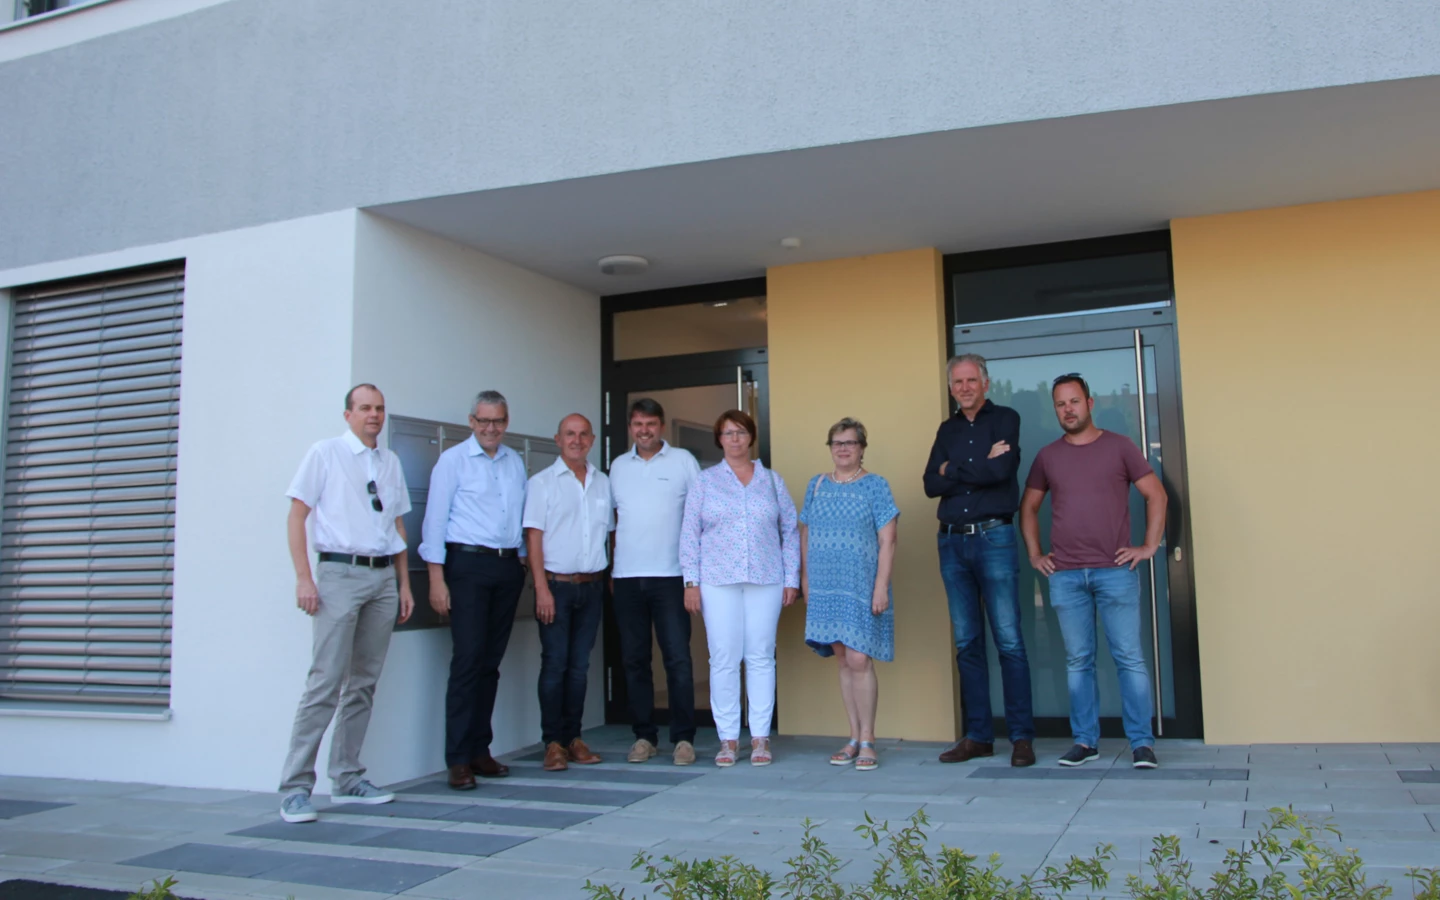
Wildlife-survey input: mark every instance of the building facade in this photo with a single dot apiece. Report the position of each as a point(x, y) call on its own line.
point(217, 215)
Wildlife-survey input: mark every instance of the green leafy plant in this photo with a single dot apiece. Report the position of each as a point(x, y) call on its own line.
point(158, 890)
point(1290, 858)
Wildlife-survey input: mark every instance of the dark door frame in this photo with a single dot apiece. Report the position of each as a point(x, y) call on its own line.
point(619, 378)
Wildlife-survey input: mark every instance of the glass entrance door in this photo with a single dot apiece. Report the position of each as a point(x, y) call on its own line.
point(1133, 377)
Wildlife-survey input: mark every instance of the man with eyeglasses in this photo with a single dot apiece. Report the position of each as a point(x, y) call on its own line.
point(972, 469)
point(473, 547)
point(1091, 563)
point(357, 492)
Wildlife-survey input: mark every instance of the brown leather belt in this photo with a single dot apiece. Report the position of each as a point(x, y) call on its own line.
point(576, 578)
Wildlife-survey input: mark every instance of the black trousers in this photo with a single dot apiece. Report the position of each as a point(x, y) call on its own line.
point(484, 591)
point(641, 603)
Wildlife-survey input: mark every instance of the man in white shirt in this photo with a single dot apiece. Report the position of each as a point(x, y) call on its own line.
point(567, 523)
point(473, 547)
point(358, 495)
point(649, 485)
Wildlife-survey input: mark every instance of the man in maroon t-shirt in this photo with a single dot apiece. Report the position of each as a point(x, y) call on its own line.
point(1091, 565)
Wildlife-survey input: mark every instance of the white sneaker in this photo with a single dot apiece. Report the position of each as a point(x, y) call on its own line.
point(361, 792)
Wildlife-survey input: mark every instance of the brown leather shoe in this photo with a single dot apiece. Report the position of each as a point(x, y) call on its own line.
point(580, 754)
point(556, 759)
point(1022, 754)
point(488, 766)
point(461, 778)
point(967, 750)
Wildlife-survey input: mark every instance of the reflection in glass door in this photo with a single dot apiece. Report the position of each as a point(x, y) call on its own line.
point(1132, 379)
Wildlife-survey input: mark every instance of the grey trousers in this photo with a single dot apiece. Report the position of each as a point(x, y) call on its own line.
point(351, 635)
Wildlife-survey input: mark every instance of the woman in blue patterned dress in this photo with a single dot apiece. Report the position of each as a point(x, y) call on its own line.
point(847, 546)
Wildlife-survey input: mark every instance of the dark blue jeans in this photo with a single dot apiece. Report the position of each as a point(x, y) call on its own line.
point(980, 573)
point(641, 603)
point(565, 646)
point(484, 591)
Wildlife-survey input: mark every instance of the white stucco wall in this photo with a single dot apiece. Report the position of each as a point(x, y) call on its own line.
point(265, 365)
point(435, 323)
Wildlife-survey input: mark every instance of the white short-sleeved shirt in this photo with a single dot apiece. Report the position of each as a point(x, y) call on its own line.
point(649, 496)
point(576, 520)
point(332, 482)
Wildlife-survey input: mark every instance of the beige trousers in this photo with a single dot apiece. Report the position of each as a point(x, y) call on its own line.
point(351, 635)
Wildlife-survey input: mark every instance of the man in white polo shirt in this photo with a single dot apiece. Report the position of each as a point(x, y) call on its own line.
point(356, 491)
point(649, 485)
point(567, 525)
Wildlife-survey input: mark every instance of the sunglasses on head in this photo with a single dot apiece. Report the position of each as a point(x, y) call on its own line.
point(374, 493)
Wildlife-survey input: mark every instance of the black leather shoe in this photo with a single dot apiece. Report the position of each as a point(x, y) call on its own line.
point(488, 766)
point(1022, 754)
point(967, 750)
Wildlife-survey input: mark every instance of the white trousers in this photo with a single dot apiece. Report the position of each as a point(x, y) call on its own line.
point(740, 623)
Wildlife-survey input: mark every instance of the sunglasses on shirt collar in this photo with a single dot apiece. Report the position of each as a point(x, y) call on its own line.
point(374, 493)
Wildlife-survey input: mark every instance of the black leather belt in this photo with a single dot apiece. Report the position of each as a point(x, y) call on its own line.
point(976, 527)
point(480, 548)
point(350, 559)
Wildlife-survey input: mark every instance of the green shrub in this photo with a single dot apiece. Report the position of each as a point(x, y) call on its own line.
point(158, 890)
point(1290, 859)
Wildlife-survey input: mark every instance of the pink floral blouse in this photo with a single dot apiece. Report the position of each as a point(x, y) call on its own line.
point(738, 534)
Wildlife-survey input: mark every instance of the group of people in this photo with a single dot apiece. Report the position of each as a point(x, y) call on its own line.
point(725, 543)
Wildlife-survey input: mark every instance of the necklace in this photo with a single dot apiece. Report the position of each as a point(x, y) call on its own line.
point(858, 472)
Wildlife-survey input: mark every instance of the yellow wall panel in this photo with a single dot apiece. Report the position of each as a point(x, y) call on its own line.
point(864, 337)
point(1308, 355)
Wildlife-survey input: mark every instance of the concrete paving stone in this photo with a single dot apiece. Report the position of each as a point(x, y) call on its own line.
point(313, 832)
point(82, 847)
point(576, 795)
point(1397, 853)
point(13, 863)
point(355, 874)
point(643, 830)
point(289, 890)
point(1118, 789)
point(488, 790)
point(69, 789)
point(467, 884)
point(658, 772)
point(459, 843)
point(1355, 798)
point(196, 796)
point(400, 809)
point(11, 809)
point(1390, 821)
point(556, 849)
point(1426, 794)
point(514, 815)
point(1419, 776)
point(1434, 820)
point(242, 862)
point(1160, 815)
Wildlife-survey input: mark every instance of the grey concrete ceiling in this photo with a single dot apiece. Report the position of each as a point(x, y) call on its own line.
point(978, 188)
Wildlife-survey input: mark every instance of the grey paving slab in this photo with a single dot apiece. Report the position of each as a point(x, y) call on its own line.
point(12, 863)
point(356, 874)
point(400, 809)
point(1419, 776)
point(467, 884)
point(578, 795)
point(78, 845)
point(1346, 821)
point(514, 815)
point(242, 862)
point(10, 809)
point(486, 790)
point(464, 843)
point(313, 832)
point(653, 773)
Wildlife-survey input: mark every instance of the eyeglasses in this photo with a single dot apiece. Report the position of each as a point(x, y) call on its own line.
point(844, 445)
point(374, 493)
point(732, 435)
point(490, 423)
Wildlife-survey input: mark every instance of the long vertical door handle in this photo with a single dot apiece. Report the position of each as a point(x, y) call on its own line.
point(1154, 601)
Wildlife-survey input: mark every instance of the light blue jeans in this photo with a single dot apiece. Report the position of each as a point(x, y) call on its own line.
point(1077, 595)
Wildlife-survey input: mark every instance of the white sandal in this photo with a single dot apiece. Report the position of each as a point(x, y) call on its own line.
point(760, 752)
point(729, 750)
point(846, 754)
point(866, 763)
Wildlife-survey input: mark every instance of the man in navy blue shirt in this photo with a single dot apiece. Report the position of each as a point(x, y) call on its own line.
point(972, 469)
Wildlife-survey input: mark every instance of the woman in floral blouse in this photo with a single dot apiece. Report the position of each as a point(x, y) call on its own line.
point(740, 555)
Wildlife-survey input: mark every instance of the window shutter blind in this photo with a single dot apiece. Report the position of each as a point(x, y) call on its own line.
point(87, 540)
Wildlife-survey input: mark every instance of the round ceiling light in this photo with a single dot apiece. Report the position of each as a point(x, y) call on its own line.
point(624, 265)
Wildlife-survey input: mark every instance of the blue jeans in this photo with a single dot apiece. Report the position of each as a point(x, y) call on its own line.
point(565, 646)
point(639, 604)
point(1077, 594)
point(978, 569)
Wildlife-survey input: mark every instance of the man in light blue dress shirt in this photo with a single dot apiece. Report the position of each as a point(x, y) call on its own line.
point(473, 547)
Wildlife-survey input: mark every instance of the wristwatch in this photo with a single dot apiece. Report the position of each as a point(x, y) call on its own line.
point(690, 584)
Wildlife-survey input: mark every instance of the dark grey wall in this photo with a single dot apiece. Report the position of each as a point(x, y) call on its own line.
point(261, 110)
